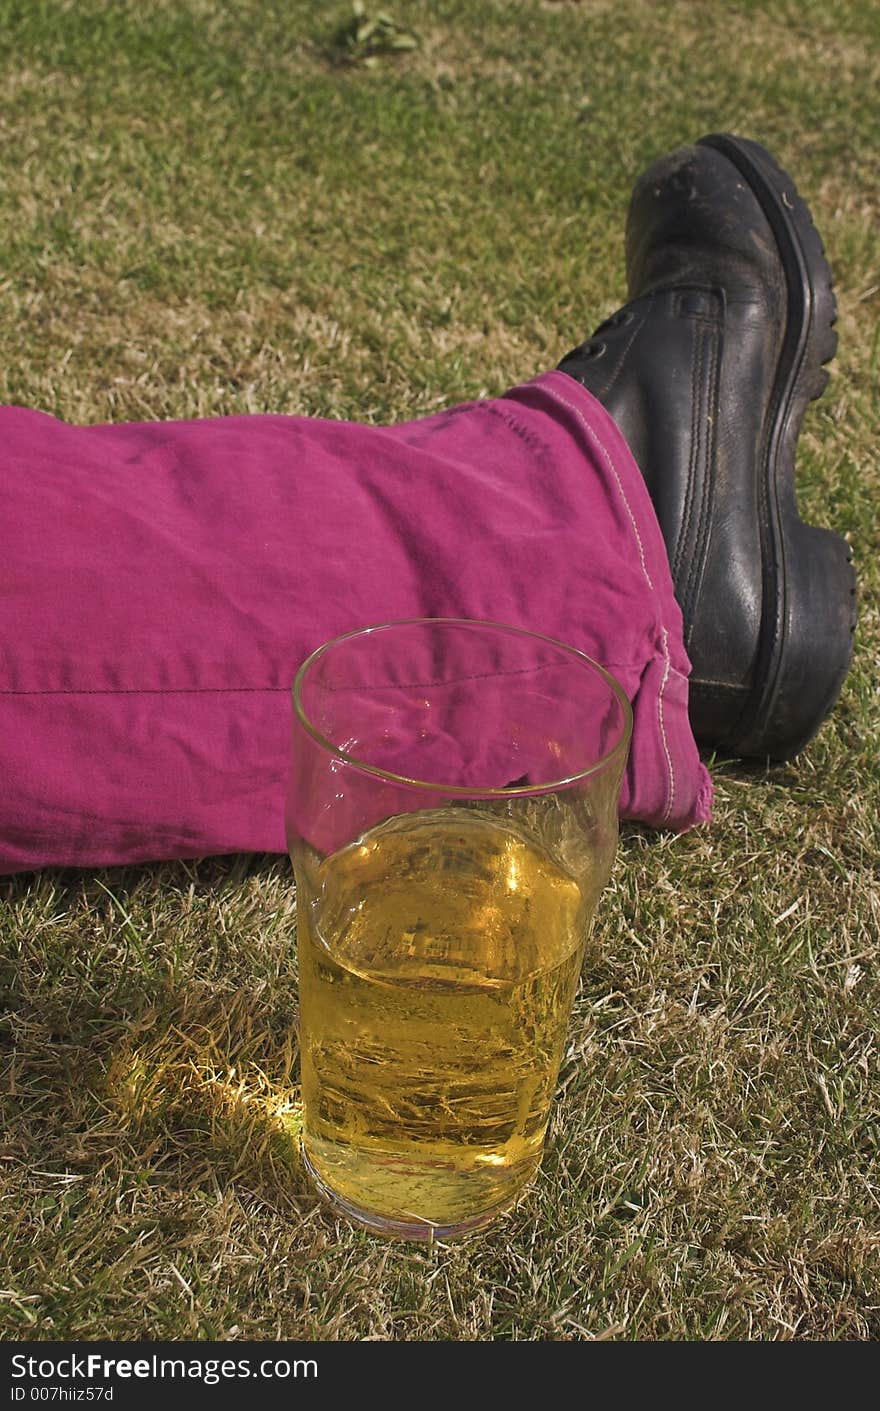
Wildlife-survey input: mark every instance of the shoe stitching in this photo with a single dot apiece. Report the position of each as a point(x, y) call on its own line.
point(684, 534)
point(698, 383)
point(706, 682)
point(637, 328)
point(705, 324)
point(703, 534)
point(594, 438)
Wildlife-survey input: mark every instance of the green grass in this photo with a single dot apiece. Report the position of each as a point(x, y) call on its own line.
point(205, 211)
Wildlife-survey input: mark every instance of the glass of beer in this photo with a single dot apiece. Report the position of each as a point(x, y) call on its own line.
point(452, 819)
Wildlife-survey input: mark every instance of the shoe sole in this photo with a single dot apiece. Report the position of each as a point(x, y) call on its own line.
point(809, 584)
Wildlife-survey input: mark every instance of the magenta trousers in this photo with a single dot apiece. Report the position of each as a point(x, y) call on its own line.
point(162, 582)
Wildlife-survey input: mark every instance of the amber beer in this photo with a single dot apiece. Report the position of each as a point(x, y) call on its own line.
point(452, 818)
point(438, 960)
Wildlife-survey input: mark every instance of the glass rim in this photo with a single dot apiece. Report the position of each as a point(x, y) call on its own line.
point(620, 746)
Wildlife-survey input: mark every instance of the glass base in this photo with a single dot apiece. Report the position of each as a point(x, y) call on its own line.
point(424, 1231)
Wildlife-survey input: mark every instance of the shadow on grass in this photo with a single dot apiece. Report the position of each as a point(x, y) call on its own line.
point(210, 1081)
point(148, 1019)
point(213, 875)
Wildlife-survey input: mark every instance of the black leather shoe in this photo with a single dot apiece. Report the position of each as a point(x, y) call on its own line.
point(708, 372)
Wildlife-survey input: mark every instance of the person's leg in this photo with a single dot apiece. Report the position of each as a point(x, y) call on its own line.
point(708, 371)
point(164, 582)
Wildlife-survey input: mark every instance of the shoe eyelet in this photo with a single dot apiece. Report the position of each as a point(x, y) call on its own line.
point(594, 350)
point(621, 319)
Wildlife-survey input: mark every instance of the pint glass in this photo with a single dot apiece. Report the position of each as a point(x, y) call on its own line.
point(452, 820)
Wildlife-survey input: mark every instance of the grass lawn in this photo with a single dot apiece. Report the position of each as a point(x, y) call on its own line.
point(205, 212)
